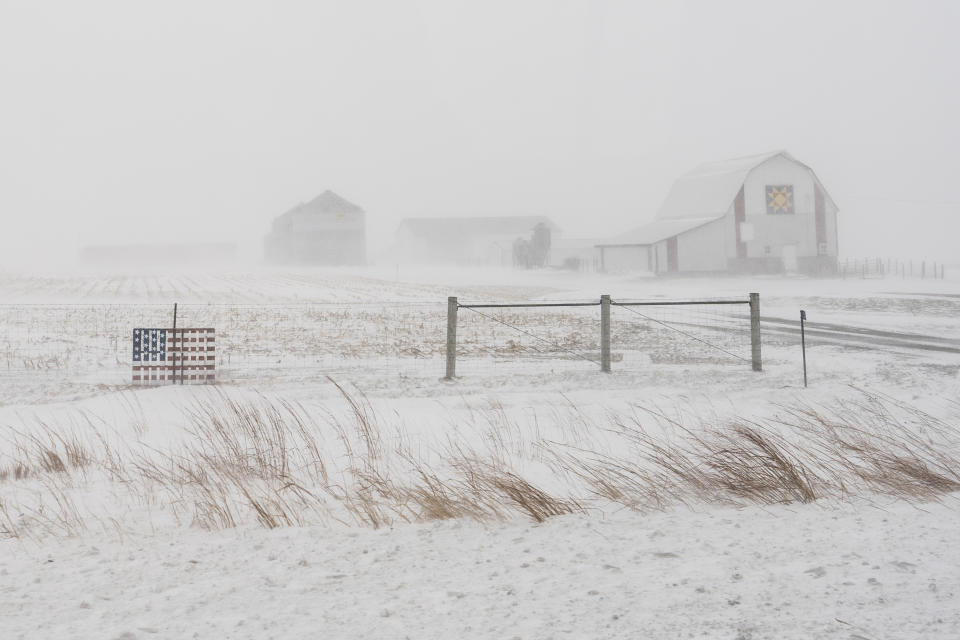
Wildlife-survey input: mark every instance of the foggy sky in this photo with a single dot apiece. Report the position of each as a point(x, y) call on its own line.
point(139, 122)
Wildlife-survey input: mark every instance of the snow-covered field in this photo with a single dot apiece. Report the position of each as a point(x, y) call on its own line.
point(332, 485)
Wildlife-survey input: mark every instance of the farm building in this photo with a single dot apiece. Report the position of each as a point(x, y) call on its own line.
point(575, 254)
point(485, 241)
point(326, 230)
point(759, 214)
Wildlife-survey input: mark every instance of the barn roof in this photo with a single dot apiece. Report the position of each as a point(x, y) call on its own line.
point(709, 189)
point(326, 202)
point(656, 231)
point(701, 196)
point(488, 225)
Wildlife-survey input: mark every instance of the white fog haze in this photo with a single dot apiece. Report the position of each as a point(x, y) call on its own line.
point(480, 319)
point(127, 123)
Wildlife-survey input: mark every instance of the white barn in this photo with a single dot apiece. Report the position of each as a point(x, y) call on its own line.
point(759, 214)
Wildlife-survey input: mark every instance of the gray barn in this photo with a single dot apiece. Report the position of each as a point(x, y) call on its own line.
point(327, 230)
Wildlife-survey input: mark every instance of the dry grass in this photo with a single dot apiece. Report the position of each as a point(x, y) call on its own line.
point(273, 463)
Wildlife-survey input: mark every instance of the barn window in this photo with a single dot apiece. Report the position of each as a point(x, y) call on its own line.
point(780, 198)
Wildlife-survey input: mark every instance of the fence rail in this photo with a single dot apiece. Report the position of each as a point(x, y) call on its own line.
point(605, 302)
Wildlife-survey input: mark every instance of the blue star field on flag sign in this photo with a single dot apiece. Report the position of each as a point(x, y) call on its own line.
point(149, 345)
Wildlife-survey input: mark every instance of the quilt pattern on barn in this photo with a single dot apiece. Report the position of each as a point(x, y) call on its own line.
point(780, 198)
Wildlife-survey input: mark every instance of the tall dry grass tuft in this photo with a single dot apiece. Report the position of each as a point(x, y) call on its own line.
point(610, 478)
point(755, 465)
point(8, 527)
point(273, 463)
point(365, 421)
point(499, 489)
point(881, 445)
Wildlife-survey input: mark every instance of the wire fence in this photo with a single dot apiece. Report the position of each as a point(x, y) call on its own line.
point(699, 332)
point(376, 343)
point(541, 340)
point(87, 344)
point(568, 336)
point(873, 268)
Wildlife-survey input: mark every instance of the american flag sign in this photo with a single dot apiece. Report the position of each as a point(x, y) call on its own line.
point(171, 356)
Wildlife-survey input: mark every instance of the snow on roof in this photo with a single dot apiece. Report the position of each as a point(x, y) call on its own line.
point(709, 189)
point(326, 202)
point(656, 231)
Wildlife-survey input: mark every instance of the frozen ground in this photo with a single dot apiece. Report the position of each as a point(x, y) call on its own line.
point(66, 337)
point(851, 572)
point(128, 559)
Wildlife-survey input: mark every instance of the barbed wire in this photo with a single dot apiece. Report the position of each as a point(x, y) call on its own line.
point(680, 331)
point(531, 335)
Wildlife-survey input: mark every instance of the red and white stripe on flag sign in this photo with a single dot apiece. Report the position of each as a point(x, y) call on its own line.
point(189, 355)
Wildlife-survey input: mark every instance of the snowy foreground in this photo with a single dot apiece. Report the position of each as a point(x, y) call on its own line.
point(682, 496)
point(864, 571)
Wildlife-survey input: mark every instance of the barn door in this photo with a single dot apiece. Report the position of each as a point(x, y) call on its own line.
point(790, 258)
point(672, 260)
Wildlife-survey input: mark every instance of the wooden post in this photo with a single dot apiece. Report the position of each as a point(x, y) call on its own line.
point(605, 333)
point(755, 332)
point(452, 306)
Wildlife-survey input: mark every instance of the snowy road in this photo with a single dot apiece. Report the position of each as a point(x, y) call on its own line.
point(829, 333)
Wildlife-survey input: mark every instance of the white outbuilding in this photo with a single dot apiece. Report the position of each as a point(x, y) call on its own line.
point(767, 213)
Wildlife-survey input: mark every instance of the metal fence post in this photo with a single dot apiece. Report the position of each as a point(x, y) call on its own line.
point(803, 345)
point(173, 345)
point(451, 338)
point(605, 333)
point(755, 331)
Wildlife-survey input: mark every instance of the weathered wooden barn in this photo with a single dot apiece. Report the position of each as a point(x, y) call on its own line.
point(327, 230)
point(767, 213)
point(482, 241)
